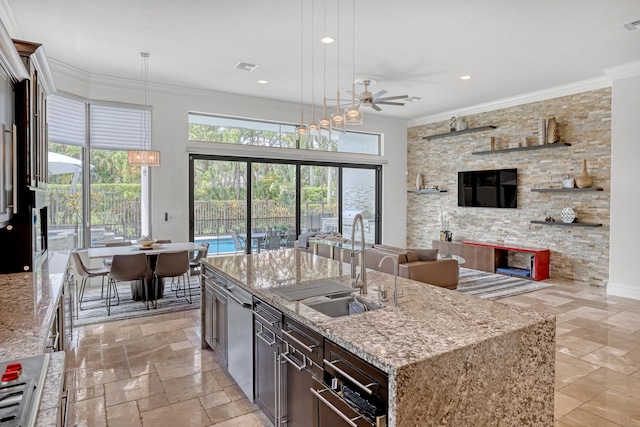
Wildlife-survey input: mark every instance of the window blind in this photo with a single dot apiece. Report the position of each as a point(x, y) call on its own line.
point(119, 126)
point(67, 120)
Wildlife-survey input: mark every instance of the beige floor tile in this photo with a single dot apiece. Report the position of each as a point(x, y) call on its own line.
point(86, 378)
point(581, 345)
point(152, 402)
point(132, 389)
point(89, 392)
point(90, 412)
point(615, 407)
point(564, 404)
point(569, 369)
point(124, 415)
point(191, 386)
point(628, 320)
point(253, 419)
point(615, 380)
point(582, 418)
point(215, 399)
point(612, 358)
point(230, 410)
point(584, 389)
point(188, 413)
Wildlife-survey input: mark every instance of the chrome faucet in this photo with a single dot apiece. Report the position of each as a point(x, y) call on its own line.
point(363, 259)
point(395, 277)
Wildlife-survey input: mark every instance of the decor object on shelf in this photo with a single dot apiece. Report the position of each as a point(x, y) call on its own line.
point(568, 215)
point(419, 181)
point(552, 131)
point(493, 143)
point(568, 182)
point(461, 125)
point(145, 156)
point(453, 124)
point(445, 234)
point(542, 131)
point(549, 218)
point(584, 179)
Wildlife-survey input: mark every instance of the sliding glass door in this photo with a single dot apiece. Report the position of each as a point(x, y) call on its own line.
point(268, 208)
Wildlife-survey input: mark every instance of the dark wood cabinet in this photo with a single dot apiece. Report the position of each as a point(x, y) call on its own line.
point(476, 257)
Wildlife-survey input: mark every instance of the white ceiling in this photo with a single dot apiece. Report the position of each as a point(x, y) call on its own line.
point(414, 47)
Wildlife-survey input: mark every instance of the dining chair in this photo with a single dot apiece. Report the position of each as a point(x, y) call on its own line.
point(271, 240)
point(127, 268)
point(174, 265)
point(107, 261)
point(87, 273)
point(289, 239)
point(194, 263)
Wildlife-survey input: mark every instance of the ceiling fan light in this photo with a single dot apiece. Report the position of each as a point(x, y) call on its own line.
point(313, 128)
point(353, 116)
point(324, 123)
point(337, 123)
point(301, 130)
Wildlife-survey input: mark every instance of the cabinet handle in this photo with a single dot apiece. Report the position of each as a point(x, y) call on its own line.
point(333, 408)
point(54, 345)
point(349, 377)
point(297, 341)
point(271, 322)
point(260, 334)
point(14, 155)
point(286, 357)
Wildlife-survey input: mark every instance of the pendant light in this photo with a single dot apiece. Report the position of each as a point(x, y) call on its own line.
point(353, 115)
point(337, 119)
point(144, 156)
point(324, 122)
point(313, 126)
point(301, 129)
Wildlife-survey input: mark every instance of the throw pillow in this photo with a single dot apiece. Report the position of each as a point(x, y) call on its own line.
point(426, 254)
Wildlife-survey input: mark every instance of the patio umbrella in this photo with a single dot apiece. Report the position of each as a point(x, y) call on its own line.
point(60, 164)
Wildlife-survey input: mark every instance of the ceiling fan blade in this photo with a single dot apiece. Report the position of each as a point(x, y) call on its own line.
point(389, 103)
point(376, 95)
point(389, 98)
point(375, 107)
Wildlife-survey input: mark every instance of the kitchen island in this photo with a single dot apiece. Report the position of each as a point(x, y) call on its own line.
point(451, 359)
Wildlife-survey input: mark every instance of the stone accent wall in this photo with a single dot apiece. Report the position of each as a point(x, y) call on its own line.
point(584, 121)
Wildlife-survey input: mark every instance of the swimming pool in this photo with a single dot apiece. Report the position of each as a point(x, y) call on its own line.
point(218, 245)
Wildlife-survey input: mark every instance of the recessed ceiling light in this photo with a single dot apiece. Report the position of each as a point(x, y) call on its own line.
point(263, 82)
point(245, 66)
point(327, 40)
point(467, 77)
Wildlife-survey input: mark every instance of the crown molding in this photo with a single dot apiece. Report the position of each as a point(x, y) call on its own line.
point(541, 95)
point(6, 15)
point(623, 71)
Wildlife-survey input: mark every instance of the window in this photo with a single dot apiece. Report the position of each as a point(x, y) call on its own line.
point(230, 130)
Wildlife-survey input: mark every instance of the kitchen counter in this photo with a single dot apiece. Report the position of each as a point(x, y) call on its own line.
point(451, 358)
point(25, 318)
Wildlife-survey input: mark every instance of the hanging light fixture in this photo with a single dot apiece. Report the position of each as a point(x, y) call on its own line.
point(144, 156)
point(313, 126)
point(301, 129)
point(353, 115)
point(324, 122)
point(337, 119)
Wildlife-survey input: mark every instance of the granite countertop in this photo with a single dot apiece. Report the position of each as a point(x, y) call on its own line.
point(433, 320)
point(27, 311)
point(25, 319)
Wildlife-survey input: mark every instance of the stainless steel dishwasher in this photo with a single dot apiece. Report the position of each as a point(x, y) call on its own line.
point(240, 337)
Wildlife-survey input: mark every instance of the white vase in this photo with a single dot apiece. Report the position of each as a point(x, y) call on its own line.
point(419, 181)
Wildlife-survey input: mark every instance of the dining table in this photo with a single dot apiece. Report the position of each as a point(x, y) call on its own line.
point(137, 291)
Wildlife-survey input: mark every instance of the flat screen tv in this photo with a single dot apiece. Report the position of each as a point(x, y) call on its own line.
point(488, 188)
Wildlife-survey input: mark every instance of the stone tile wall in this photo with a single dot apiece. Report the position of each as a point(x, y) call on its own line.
point(584, 121)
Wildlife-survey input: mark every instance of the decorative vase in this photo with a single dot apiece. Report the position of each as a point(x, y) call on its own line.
point(568, 182)
point(542, 131)
point(584, 179)
point(419, 181)
point(552, 131)
point(493, 143)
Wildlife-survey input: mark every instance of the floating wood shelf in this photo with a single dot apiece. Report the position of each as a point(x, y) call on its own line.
point(428, 191)
point(529, 147)
point(568, 224)
point(563, 190)
point(458, 132)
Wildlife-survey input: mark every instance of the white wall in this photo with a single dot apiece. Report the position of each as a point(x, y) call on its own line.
point(170, 130)
point(625, 196)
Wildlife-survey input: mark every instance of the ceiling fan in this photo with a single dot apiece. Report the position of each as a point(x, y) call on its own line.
point(368, 99)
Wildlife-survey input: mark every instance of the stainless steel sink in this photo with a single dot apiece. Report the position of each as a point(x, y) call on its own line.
point(329, 288)
point(340, 306)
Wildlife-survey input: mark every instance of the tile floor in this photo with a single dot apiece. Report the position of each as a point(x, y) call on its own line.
point(152, 372)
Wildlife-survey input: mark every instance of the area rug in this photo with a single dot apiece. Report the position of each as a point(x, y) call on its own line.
point(94, 310)
point(494, 286)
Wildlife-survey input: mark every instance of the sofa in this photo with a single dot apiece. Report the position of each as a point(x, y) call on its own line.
point(415, 264)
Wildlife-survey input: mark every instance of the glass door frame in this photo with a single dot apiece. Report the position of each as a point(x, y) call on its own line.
point(298, 164)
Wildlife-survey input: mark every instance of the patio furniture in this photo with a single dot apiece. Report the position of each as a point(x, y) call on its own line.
point(271, 241)
point(238, 243)
point(194, 262)
point(289, 239)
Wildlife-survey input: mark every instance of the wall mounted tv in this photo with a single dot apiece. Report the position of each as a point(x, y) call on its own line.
point(489, 188)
